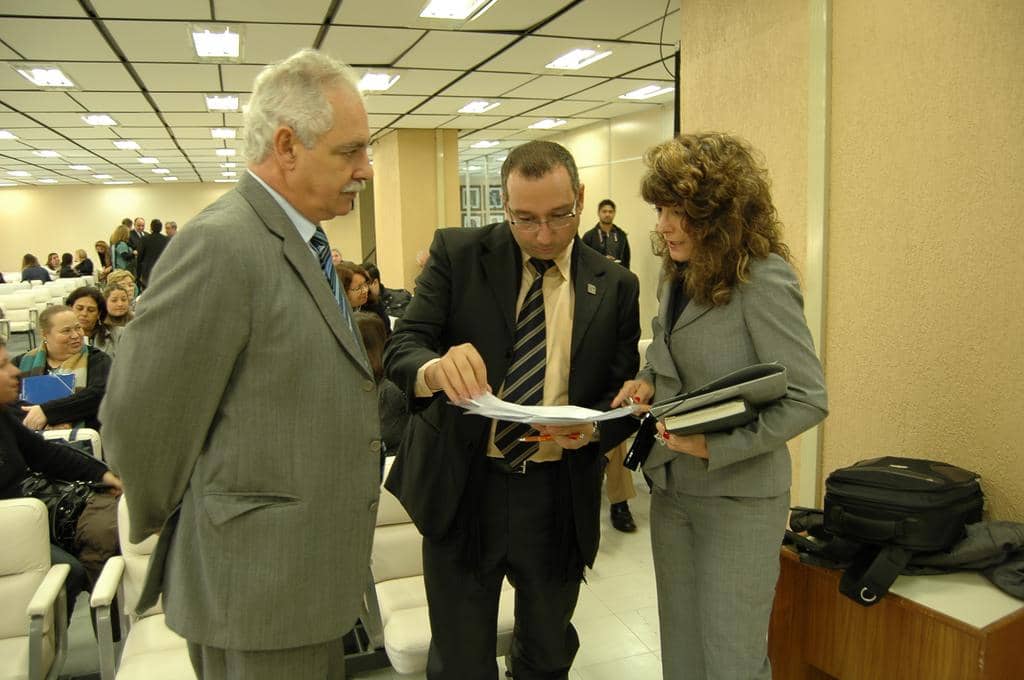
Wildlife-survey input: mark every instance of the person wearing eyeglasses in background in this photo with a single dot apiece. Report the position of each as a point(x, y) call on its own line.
point(522, 309)
point(356, 283)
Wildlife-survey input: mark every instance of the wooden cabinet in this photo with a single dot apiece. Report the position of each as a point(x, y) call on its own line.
point(941, 628)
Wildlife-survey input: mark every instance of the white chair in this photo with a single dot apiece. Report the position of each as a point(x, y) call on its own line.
point(19, 309)
point(642, 346)
point(399, 596)
point(79, 434)
point(151, 650)
point(33, 613)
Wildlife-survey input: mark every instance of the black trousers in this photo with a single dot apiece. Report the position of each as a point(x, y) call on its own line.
point(518, 538)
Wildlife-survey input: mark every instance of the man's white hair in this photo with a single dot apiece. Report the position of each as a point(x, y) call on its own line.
point(292, 93)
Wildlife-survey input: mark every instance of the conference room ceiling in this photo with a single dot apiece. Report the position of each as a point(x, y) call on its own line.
point(133, 60)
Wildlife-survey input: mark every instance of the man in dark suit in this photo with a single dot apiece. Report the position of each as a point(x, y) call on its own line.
point(262, 479)
point(150, 249)
point(462, 334)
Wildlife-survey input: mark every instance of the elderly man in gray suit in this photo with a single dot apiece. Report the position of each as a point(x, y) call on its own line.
point(262, 481)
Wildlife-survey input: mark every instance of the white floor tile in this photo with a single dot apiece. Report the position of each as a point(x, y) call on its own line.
point(639, 667)
point(604, 640)
point(643, 623)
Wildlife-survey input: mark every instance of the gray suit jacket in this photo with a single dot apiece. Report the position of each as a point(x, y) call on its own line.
point(243, 419)
point(763, 322)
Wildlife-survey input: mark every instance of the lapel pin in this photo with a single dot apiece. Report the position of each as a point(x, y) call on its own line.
point(591, 289)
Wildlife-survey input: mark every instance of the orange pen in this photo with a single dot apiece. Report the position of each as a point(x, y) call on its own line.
point(548, 437)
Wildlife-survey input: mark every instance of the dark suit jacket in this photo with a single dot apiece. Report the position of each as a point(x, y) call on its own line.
point(150, 249)
point(619, 248)
point(467, 293)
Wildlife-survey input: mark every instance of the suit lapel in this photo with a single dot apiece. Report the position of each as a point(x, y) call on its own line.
point(501, 269)
point(305, 265)
point(588, 289)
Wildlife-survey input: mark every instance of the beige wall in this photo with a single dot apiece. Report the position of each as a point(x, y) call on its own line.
point(609, 157)
point(924, 258)
point(40, 220)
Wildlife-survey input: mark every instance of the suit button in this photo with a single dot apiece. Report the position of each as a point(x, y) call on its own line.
point(375, 446)
point(368, 386)
point(373, 507)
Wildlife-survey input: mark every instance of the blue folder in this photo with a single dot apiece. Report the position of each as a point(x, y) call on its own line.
point(39, 389)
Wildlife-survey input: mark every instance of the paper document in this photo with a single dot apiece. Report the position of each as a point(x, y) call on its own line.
point(489, 406)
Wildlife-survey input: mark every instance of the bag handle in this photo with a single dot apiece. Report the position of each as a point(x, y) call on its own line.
point(877, 530)
point(872, 573)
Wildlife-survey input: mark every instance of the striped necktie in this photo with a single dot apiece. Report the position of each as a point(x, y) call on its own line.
point(524, 382)
point(323, 253)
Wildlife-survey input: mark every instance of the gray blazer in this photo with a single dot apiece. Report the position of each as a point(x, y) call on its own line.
point(242, 417)
point(763, 322)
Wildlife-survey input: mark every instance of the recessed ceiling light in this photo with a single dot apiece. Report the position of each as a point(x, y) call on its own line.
point(46, 153)
point(377, 82)
point(170, 179)
point(101, 176)
point(148, 160)
point(225, 152)
point(577, 59)
point(99, 119)
point(223, 133)
point(119, 181)
point(478, 106)
point(225, 181)
point(484, 144)
point(126, 145)
point(47, 180)
point(7, 134)
point(229, 173)
point(161, 171)
point(45, 76)
point(473, 168)
point(19, 173)
point(9, 184)
point(547, 123)
point(222, 102)
point(216, 43)
point(456, 10)
point(646, 92)
point(79, 167)
point(229, 165)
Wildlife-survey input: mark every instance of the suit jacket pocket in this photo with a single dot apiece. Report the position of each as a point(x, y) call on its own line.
point(226, 506)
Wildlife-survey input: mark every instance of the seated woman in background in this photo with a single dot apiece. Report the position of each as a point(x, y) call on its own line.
point(62, 352)
point(391, 399)
point(90, 307)
point(83, 265)
point(67, 270)
point(119, 306)
point(373, 300)
point(32, 271)
point(53, 265)
point(123, 278)
point(355, 281)
point(103, 256)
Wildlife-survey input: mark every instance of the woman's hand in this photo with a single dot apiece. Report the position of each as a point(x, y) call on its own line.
point(35, 419)
point(695, 445)
point(114, 482)
point(639, 391)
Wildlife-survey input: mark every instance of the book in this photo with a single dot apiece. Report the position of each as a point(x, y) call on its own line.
point(724, 415)
point(759, 385)
point(39, 389)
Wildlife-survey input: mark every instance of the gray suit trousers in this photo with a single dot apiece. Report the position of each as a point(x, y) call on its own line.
point(716, 561)
point(325, 661)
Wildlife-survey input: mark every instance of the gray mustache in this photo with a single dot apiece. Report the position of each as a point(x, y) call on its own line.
point(354, 187)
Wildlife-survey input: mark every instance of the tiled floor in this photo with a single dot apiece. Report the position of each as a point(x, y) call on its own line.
point(617, 614)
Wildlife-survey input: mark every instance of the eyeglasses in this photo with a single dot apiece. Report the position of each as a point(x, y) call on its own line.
point(554, 222)
point(359, 289)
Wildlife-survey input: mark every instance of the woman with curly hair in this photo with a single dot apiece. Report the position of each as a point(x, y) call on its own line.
point(729, 298)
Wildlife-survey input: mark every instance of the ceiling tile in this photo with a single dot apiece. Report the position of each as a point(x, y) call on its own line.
point(113, 102)
point(179, 77)
point(415, 121)
point(56, 8)
point(564, 108)
point(35, 136)
point(7, 53)
point(239, 77)
point(505, 108)
point(381, 120)
point(14, 120)
point(617, 109)
point(362, 45)
point(481, 84)
point(35, 39)
point(211, 119)
point(555, 87)
point(610, 91)
point(652, 32)
point(659, 70)
point(517, 16)
point(524, 122)
point(105, 76)
point(384, 103)
point(294, 11)
point(368, 13)
point(448, 49)
point(40, 101)
point(136, 119)
point(87, 132)
point(473, 122)
point(153, 41)
point(608, 19)
point(187, 132)
point(267, 43)
point(143, 132)
point(422, 82)
point(192, 10)
point(180, 101)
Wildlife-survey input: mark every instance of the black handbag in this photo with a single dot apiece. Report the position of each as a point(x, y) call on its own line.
point(64, 502)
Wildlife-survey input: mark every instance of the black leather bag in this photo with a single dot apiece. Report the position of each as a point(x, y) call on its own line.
point(896, 507)
point(64, 502)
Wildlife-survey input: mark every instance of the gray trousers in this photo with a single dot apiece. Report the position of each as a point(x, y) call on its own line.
point(325, 661)
point(716, 561)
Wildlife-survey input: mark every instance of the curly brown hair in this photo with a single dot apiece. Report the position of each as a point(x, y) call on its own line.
point(723, 189)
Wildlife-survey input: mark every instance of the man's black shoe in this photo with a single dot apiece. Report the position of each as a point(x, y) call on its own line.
point(622, 518)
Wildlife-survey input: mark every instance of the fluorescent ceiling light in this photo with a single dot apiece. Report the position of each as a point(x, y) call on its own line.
point(126, 145)
point(547, 123)
point(47, 180)
point(148, 160)
point(101, 176)
point(170, 179)
point(216, 43)
point(222, 102)
point(484, 145)
point(377, 82)
point(119, 181)
point(478, 106)
point(229, 173)
point(45, 76)
point(455, 10)
point(647, 92)
point(7, 134)
point(9, 184)
point(79, 167)
point(161, 171)
point(99, 119)
point(228, 165)
point(223, 133)
point(225, 152)
point(225, 181)
point(19, 173)
point(46, 153)
point(577, 59)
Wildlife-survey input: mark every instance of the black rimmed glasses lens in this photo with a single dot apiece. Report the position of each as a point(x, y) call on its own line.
point(554, 222)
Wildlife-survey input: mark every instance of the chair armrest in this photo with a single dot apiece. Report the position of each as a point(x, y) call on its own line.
point(47, 592)
point(107, 584)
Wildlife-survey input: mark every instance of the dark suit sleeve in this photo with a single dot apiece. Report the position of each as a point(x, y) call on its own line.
point(84, 404)
point(625, 250)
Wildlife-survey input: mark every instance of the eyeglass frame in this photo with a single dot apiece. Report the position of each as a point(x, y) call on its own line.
point(533, 226)
point(360, 288)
